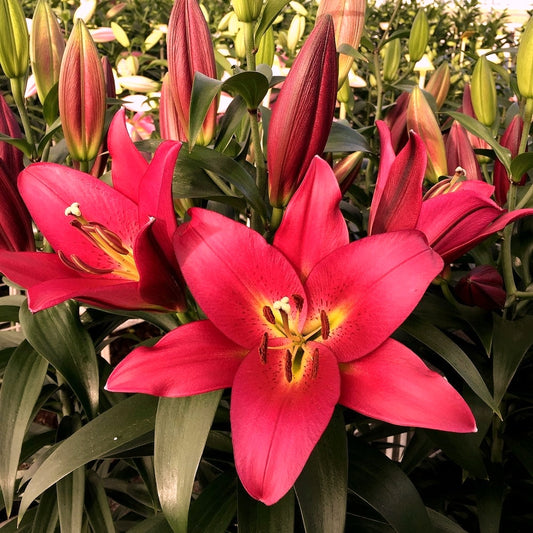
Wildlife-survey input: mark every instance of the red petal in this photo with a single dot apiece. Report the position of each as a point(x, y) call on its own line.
point(48, 189)
point(276, 424)
point(368, 288)
point(233, 273)
point(394, 385)
point(312, 225)
point(128, 163)
point(399, 189)
point(191, 359)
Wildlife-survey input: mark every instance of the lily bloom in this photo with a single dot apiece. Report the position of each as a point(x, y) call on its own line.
point(453, 222)
point(295, 328)
point(113, 244)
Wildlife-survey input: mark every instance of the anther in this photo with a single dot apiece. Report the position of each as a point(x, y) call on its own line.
point(269, 315)
point(314, 367)
point(73, 209)
point(298, 301)
point(263, 347)
point(324, 324)
point(288, 366)
point(111, 239)
point(76, 263)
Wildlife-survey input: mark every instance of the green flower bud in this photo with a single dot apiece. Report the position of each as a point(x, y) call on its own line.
point(247, 10)
point(439, 84)
point(391, 59)
point(295, 33)
point(265, 50)
point(14, 39)
point(524, 62)
point(419, 36)
point(483, 92)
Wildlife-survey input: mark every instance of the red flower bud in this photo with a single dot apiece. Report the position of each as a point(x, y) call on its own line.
point(11, 156)
point(459, 153)
point(302, 115)
point(190, 50)
point(483, 287)
point(82, 95)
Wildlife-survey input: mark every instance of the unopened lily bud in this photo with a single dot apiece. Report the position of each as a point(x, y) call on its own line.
point(483, 92)
point(239, 43)
point(115, 10)
point(391, 59)
point(419, 36)
point(421, 119)
point(168, 114)
point(511, 140)
point(85, 11)
point(295, 32)
point(247, 10)
point(190, 50)
point(138, 84)
point(347, 169)
point(82, 95)
point(14, 39)
point(302, 115)
point(524, 62)
point(438, 84)
point(266, 48)
point(47, 45)
point(482, 287)
point(348, 19)
point(9, 154)
point(120, 35)
point(460, 154)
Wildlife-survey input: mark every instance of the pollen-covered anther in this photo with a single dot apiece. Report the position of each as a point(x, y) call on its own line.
point(314, 363)
point(269, 314)
point(324, 324)
point(263, 348)
point(283, 305)
point(288, 366)
point(73, 209)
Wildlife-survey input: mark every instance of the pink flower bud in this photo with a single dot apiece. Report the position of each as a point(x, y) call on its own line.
point(459, 153)
point(190, 50)
point(11, 156)
point(438, 84)
point(82, 95)
point(169, 122)
point(483, 287)
point(302, 115)
point(510, 139)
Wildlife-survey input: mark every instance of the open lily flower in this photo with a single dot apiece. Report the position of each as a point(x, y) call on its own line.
point(453, 222)
point(113, 244)
point(295, 328)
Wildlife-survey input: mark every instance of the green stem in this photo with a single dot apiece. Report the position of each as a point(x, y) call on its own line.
point(447, 293)
point(17, 88)
point(528, 114)
point(379, 84)
point(84, 166)
point(260, 167)
point(507, 257)
point(277, 215)
point(249, 44)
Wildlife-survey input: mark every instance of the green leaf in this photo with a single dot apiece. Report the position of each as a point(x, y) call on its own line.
point(386, 488)
point(21, 144)
point(252, 86)
point(9, 308)
point(481, 131)
point(321, 488)
point(441, 344)
point(490, 496)
point(47, 515)
point(71, 488)
point(97, 504)
point(442, 524)
point(229, 123)
point(22, 383)
point(271, 10)
point(224, 166)
point(154, 524)
point(113, 430)
point(181, 429)
point(256, 517)
point(215, 507)
point(521, 164)
point(57, 334)
point(204, 91)
point(51, 105)
point(343, 138)
point(511, 341)
point(25, 526)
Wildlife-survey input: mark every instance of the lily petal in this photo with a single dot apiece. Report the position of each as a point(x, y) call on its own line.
point(128, 163)
point(233, 273)
point(191, 359)
point(56, 187)
point(368, 288)
point(313, 225)
point(276, 424)
point(394, 385)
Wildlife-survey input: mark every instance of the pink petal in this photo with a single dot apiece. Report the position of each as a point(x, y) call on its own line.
point(191, 359)
point(57, 187)
point(312, 225)
point(368, 288)
point(399, 199)
point(233, 273)
point(394, 385)
point(128, 163)
point(276, 424)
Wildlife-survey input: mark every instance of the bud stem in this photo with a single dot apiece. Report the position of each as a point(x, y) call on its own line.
point(17, 89)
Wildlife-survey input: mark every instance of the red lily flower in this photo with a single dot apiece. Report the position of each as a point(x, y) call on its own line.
point(113, 244)
point(296, 327)
point(453, 222)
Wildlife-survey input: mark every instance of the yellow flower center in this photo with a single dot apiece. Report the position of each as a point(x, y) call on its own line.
point(104, 239)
